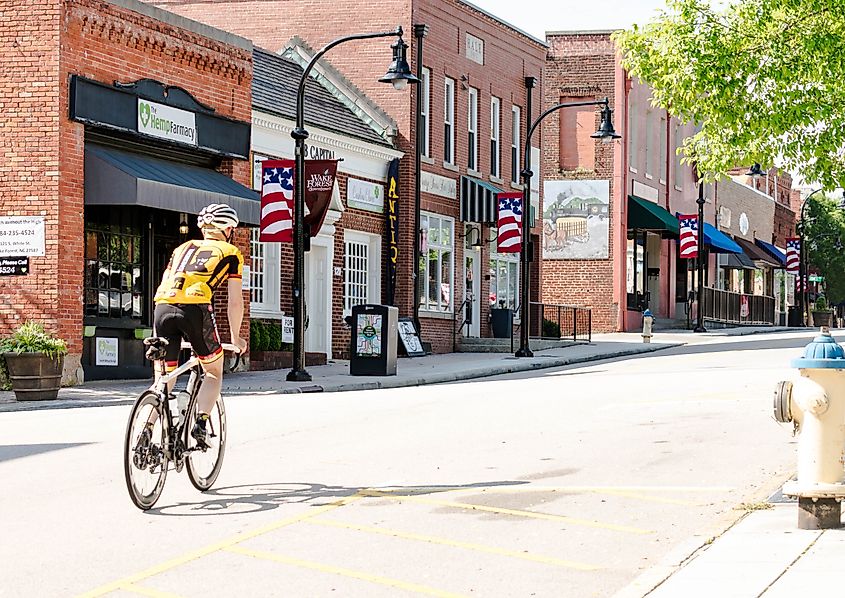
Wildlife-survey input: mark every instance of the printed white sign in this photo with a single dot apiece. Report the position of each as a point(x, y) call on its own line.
point(438, 185)
point(645, 191)
point(475, 49)
point(287, 329)
point(246, 283)
point(106, 351)
point(365, 195)
point(21, 236)
point(166, 122)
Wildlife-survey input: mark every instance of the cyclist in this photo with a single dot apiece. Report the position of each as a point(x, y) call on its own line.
point(184, 306)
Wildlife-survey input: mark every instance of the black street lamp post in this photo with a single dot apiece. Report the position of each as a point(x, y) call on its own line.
point(607, 134)
point(399, 74)
point(699, 324)
point(420, 32)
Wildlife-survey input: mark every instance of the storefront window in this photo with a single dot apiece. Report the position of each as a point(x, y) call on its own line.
point(635, 272)
point(436, 263)
point(113, 271)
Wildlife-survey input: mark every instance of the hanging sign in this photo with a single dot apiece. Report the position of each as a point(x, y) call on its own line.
point(320, 178)
point(392, 228)
point(166, 122)
point(287, 329)
point(276, 201)
point(14, 266)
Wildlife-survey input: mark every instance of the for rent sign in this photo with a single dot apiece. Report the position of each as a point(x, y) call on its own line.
point(166, 122)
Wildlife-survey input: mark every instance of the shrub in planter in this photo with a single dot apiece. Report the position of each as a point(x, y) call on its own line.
point(550, 329)
point(34, 360)
point(257, 335)
point(274, 336)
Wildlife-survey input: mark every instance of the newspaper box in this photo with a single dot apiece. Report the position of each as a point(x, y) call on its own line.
point(374, 338)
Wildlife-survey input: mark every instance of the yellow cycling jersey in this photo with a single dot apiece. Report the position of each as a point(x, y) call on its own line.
point(196, 269)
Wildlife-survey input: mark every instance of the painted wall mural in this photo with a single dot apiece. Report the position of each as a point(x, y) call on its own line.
point(576, 220)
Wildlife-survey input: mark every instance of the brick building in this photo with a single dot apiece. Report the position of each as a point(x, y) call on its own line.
point(475, 101)
point(112, 104)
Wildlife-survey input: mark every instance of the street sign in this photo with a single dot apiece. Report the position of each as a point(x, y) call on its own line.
point(816, 278)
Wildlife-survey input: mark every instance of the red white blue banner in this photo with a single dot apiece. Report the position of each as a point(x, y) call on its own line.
point(509, 222)
point(277, 201)
point(689, 235)
point(793, 255)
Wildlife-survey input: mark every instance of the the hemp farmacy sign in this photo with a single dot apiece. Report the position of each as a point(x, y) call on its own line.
point(166, 122)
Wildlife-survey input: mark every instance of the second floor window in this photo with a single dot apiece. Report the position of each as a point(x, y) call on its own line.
point(516, 115)
point(495, 128)
point(472, 129)
point(449, 122)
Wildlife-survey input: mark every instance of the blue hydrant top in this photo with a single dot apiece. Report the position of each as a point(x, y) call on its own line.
point(822, 353)
point(647, 314)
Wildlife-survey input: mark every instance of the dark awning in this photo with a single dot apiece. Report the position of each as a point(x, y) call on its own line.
point(115, 177)
point(739, 261)
point(647, 215)
point(756, 254)
point(718, 241)
point(478, 200)
point(773, 251)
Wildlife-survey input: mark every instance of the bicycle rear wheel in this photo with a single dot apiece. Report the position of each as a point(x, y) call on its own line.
point(204, 464)
point(144, 457)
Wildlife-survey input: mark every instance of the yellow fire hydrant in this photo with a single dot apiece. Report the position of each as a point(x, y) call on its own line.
point(815, 404)
point(648, 324)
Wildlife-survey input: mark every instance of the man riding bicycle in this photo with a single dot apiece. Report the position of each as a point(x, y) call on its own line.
point(184, 306)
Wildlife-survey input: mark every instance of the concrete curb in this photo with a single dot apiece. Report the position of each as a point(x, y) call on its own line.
point(538, 363)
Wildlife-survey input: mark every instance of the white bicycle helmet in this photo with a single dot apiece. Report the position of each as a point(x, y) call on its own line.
point(219, 216)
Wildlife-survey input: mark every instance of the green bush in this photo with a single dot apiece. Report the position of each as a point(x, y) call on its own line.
point(257, 335)
point(32, 338)
point(274, 336)
point(821, 303)
point(550, 329)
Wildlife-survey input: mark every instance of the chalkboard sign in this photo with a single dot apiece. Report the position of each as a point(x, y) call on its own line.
point(410, 337)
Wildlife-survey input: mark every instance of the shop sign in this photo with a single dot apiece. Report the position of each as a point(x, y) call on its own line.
point(392, 228)
point(166, 122)
point(475, 49)
point(645, 191)
point(287, 329)
point(365, 195)
point(106, 351)
point(438, 185)
point(14, 266)
point(21, 236)
point(312, 152)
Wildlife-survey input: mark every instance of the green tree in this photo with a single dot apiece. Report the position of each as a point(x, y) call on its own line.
point(824, 237)
point(764, 79)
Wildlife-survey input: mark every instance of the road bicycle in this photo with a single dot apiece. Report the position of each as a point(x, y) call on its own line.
point(157, 438)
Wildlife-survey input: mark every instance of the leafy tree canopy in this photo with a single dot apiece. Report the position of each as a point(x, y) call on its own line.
point(764, 79)
point(824, 236)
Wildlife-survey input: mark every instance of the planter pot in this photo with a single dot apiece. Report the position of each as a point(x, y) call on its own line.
point(822, 318)
point(34, 376)
point(501, 321)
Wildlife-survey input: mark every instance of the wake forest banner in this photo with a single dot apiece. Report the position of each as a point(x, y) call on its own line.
point(392, 228)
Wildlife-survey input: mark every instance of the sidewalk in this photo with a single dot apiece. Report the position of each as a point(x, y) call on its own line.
point(432, 369)
point(758, 554)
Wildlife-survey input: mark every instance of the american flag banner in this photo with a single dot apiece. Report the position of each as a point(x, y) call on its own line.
point(793, 255)
point(277, 201)
point(689, 235)
point(509, 222)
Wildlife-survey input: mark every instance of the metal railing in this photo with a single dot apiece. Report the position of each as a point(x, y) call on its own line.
point(552, 321)
point(738, 308)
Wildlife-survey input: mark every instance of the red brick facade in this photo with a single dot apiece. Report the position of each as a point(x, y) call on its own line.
point(509, 57)
point(43, 170)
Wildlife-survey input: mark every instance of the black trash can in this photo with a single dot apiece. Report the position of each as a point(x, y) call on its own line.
point(794, 316)
point(374, 338)
point(501, 321)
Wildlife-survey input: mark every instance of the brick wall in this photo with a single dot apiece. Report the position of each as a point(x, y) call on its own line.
point(581, 67)
point(44, 159)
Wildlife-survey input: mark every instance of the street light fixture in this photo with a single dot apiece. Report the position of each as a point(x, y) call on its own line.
point(399, 75)
point(755, 171)
point(607, 134)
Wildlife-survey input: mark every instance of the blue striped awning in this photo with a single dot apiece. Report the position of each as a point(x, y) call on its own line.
point(773, 251)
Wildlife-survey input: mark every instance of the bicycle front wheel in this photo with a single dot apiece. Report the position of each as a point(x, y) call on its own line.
point(204, 464)
point(144, 455)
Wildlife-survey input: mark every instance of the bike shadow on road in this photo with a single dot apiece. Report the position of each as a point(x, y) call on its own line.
point(257, 498)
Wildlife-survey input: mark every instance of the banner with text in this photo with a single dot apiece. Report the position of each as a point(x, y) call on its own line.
point(320, 176)
point(392, 228)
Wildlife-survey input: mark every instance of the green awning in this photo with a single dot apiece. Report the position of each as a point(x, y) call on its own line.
point(647, 215)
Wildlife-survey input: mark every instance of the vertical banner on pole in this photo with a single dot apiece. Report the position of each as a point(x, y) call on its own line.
point(277, 201)
point(688, 224)
point(393, 229)
point(320, 176)
point(793, 255)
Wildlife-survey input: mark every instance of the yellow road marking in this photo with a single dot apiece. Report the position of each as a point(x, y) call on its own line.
point(467, 545)
point(503, 511)
point(201, 552)
point(377, 579)
point(144, 591)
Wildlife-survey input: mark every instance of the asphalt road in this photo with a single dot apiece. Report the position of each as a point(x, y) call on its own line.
point(567, 482)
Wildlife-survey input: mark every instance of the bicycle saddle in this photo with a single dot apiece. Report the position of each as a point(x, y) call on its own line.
point(157, 348)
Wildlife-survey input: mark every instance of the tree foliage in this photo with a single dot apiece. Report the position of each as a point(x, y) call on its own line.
point(824, 238)
point(764, 79)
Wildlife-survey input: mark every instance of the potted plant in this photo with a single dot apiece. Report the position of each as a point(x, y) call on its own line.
point(501, 320)
point(822, 315)
point(34, 361)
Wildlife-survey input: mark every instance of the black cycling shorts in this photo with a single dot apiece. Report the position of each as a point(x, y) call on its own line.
point(193, 322)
